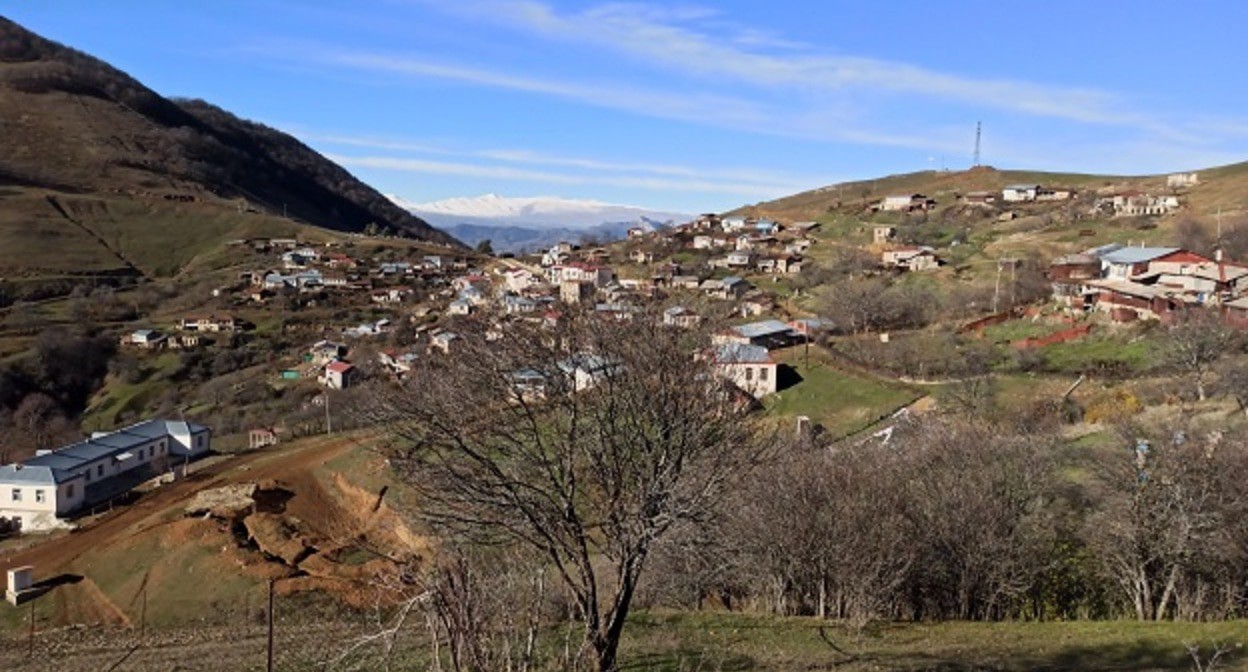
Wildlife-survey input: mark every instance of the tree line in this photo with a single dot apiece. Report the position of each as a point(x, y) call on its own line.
point(562, 501)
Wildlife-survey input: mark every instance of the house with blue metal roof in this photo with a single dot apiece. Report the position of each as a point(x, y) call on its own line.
point(767, 334)
point(1125, 262)
point(42, 491)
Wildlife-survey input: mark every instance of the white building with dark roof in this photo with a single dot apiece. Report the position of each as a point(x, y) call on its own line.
point(749, 367)
point(41, 491)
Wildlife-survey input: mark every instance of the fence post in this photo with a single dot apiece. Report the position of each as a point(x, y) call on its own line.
point(269, 667)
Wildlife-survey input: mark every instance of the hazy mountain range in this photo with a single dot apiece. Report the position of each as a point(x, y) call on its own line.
point(532, 223)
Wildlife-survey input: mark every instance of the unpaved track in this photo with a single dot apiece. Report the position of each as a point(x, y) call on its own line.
point(57, 554)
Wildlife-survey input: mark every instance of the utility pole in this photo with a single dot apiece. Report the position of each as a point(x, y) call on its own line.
point(996, 293)
point(1013, 282)
point(269, 666)
point(329, 426)
point(979, 127)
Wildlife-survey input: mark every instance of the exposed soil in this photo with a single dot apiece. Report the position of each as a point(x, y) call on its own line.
point(299, 530)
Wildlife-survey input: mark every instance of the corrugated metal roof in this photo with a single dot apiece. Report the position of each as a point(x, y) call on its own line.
point(764, 328)
point(54, 466)
point(736, 353)
point(1137, 255)
point(10, 473)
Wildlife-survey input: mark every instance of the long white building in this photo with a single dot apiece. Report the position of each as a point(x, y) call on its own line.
point(41, 491)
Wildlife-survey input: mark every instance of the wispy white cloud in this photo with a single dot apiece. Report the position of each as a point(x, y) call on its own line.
point(681, 42)
point(669, 104)
point(498, 172)
point(695, 65)
point(735, 113)
point(766, 179)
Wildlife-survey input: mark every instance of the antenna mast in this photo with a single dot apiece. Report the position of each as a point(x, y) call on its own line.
point(978, 130)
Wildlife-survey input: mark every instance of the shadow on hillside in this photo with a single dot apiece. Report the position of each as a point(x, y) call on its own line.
point(41, 588)
point(786, 377)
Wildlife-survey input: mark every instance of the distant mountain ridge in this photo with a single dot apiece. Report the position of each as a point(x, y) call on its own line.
point(73, 123)
point(517, 224)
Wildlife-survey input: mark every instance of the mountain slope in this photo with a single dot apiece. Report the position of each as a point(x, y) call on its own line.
point(522, 224)
point(73, 123)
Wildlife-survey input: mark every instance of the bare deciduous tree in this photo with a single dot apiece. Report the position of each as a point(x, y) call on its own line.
point(1166, 530)
point(1197, 340)
point(585, 441)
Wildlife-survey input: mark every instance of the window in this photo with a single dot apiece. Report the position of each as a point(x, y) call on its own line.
point(762, 373)
point(749, 373)
point(199, 442)
point(39, 498)
point(17, 494)
point(69, 491)
point(99, 471)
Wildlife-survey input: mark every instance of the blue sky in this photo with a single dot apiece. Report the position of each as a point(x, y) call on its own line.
point(692, 107)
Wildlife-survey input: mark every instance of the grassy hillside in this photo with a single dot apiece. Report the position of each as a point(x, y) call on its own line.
point(83, 132)
point(1223, 187)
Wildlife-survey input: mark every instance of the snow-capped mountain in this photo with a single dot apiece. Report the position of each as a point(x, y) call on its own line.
point(527, 224)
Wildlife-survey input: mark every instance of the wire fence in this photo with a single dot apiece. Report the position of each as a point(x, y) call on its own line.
point(306, 635)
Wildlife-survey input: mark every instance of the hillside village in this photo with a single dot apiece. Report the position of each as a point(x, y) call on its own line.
point(748, 275)
point(259, 413)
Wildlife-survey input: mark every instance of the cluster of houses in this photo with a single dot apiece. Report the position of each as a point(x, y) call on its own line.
point(302, 268)
point(190, 333)
point(1136, 282)
point(1128, 203)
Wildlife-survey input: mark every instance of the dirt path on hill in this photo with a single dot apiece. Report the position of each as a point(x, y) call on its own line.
point(58, 554)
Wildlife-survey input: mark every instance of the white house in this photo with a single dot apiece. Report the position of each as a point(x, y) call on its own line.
point(41, 491)
point(911, 258)
point(340, 375)
point(905, 203)
point(749, 367)
point(599, 276)
point(587, 370)
point(1180, 180)
point(519, 279)
point(1018, 193)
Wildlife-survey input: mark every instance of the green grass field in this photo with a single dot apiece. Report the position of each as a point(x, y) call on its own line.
point(842, 402)
point(703, 641)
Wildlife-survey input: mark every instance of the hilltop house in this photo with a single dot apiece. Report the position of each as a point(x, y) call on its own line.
point(1134, 203)
point(40, 492)
point(1181, 180)
point(905, 203)
point(1019, 193)
point(979, 198)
